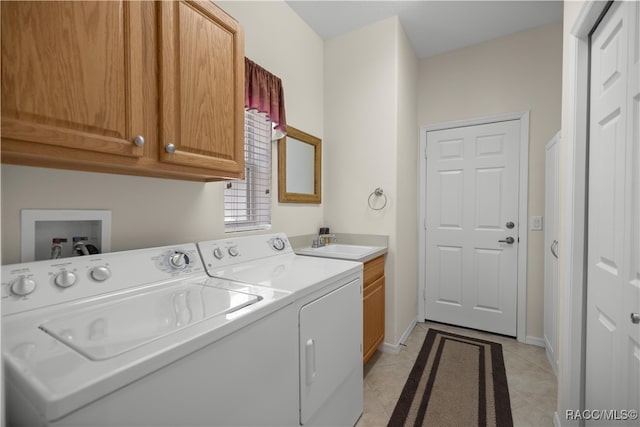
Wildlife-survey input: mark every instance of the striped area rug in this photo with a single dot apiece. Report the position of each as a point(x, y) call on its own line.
point(456, 381)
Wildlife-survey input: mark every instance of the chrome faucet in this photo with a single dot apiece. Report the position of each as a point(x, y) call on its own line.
point(324, 238)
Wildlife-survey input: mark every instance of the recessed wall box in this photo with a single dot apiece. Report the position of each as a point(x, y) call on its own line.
point(42, 229)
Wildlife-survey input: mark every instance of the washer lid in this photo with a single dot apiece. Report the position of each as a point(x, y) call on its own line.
point(293, 273)
point(107, 330)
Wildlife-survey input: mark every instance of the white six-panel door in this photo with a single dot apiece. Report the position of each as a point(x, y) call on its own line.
point(471, 197)
point(613, 270)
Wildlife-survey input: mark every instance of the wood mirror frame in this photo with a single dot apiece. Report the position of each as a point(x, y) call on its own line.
point(291, 195)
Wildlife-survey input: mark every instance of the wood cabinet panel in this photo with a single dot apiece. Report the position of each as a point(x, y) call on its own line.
point(373, 269)
point(373, 313)
point(80, 80)
point(373, 300)
point(202, 75)
point(72, 74)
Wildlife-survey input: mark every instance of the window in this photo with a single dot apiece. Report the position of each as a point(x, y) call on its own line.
point(247, 203)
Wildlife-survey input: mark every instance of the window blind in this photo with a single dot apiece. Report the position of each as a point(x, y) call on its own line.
point(247, 203)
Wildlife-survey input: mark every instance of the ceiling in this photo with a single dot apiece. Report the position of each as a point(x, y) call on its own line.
point(432, 26)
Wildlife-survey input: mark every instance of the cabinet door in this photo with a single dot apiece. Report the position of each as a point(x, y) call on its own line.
point(71, 75)
point(202, 87)
point(373, 318)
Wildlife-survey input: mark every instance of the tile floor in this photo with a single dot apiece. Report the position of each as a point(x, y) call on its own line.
point(532, 383)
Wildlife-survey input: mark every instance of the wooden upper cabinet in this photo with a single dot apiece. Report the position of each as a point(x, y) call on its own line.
point(72, 75)
point(81, 80)
point(202, 86)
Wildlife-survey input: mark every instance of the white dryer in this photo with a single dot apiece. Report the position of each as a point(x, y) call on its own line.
point(143, 338)
point(328, 301)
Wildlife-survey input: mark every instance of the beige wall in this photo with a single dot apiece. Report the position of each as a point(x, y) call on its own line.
point(406, 278)
point(514, 73)
point(371, 141)
point(150, 211)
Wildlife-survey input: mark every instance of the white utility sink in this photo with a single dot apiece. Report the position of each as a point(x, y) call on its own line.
point(341, 251)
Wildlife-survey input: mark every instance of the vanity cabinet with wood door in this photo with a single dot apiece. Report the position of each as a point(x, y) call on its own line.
point(373, 306)
point(140, 88)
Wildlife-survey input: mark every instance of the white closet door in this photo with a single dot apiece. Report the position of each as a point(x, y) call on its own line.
point(551, 252)
point(613, 276)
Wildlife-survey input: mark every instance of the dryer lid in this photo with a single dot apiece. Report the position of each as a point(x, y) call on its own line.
point(104, 331)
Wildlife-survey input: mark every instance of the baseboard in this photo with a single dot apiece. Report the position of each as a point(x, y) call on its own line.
point(550, 357)
point(395, 348)
point(535, 341)
point(556, 420)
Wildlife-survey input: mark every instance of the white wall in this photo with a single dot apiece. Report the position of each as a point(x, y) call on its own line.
point(371, 141)
point(515, 73)
point(151, 211)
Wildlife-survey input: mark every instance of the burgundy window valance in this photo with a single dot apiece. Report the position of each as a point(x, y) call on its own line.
point(263, 92)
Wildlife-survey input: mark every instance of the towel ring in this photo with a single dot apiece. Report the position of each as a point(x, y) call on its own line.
point(378, 192)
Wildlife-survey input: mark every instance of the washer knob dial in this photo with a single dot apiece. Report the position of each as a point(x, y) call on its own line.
point(23, 286)
point(178, 260)
point(65, 278)
point(217, 252)
point(233, 251)
point(278, 244)
point(100, 274)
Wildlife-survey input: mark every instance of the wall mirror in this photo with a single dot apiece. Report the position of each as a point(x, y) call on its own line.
point(299, 163)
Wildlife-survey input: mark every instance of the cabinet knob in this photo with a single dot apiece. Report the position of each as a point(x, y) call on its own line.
point(139, 141)
point(170, 148)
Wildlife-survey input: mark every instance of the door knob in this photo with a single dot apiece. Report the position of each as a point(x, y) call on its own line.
point(635, 318)
point(508, 240)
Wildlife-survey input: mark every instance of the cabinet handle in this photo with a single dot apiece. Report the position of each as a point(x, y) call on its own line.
point(170, 148)
point(139, 141)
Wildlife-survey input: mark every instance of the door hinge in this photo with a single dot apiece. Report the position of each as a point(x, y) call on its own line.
point(425, 223)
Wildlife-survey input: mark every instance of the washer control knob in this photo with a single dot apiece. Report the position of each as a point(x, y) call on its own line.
point(217, 252)
point(65, 278)
point(23, 286)
point(233, 251)
point(278, 244)
point(178, 260)
point(100, 274)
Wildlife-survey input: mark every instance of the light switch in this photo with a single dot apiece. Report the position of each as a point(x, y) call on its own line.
point(536, 223)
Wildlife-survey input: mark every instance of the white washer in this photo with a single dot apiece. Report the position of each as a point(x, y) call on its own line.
point(145, 338)
point(328, 301)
